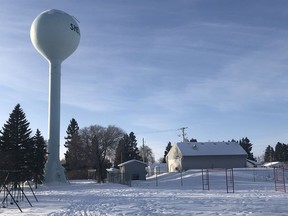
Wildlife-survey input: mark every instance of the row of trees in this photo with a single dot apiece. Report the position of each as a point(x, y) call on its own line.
point(97, 147)
point(21, 153)
point(93, 147)
point(280, 153)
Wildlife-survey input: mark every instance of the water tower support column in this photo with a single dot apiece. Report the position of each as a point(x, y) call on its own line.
point(53, 169)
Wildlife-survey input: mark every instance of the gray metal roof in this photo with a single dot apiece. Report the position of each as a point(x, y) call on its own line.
point(132, 161)
point(210, 148)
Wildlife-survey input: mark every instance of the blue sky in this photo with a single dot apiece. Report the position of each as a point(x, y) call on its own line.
point(219, 68)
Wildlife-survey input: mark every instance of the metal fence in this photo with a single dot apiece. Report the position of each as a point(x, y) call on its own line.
point(120, 178)
point(228, 180)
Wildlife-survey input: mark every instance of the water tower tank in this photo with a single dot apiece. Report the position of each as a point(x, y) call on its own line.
point(55, 34)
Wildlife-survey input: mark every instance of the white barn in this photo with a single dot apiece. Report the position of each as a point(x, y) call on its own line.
point(203, 155)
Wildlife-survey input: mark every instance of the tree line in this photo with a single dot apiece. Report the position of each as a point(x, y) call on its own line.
point(97, 147)
point(94, 147)
point(280, 153)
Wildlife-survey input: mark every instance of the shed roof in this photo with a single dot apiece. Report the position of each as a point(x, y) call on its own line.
point(132, 161)
point(113, 170)
point(210, 148)
point(272, 164)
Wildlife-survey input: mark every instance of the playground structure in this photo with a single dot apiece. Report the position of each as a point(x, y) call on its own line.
point(225, 180)
point(221, 179)
point(279, 178)
point(229, 179)
point(12, 188)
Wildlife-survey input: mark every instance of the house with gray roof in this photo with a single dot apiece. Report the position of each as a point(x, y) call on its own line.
point(204, 155)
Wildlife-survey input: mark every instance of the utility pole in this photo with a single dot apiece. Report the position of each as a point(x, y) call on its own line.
point(183, 133)
point(143, 151)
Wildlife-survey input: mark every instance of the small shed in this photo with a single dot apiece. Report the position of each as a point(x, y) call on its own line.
point(133, 170)
point(204, 155)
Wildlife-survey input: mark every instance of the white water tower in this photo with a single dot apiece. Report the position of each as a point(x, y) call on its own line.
point(55, 35)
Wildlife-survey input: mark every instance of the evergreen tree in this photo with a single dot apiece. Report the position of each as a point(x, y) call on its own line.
point(121, 151)
point(72, 129)
point(247, 146)
point(75, 156)
point(39, 157)
point(168, 147)
point(269, 154)
point(281, 152)
point(133, 151)
point(233, 140)
point(127, 149)
point(16, 145)
point(286, 153)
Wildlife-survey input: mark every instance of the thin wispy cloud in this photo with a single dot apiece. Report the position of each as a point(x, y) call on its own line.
point(157, 64)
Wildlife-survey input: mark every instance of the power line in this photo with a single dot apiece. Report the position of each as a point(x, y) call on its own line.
point(160, 131)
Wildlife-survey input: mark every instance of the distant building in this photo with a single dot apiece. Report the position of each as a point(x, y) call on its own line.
point(204, 155)
point(274, 164)
point(133, 170)
point(156, 168)
point(91, 173)
point(252, 164)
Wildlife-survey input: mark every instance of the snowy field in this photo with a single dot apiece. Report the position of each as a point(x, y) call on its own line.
point(168, 194)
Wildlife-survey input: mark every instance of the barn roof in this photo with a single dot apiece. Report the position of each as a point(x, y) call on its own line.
point(210, 148)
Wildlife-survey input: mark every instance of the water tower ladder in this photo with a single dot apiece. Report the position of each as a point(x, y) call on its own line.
point(279, 178)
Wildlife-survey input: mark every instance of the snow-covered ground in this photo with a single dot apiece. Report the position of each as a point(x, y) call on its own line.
point(168, 194)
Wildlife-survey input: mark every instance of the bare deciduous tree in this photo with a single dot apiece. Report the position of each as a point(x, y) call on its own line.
point(100, 143)
point(147, 154)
